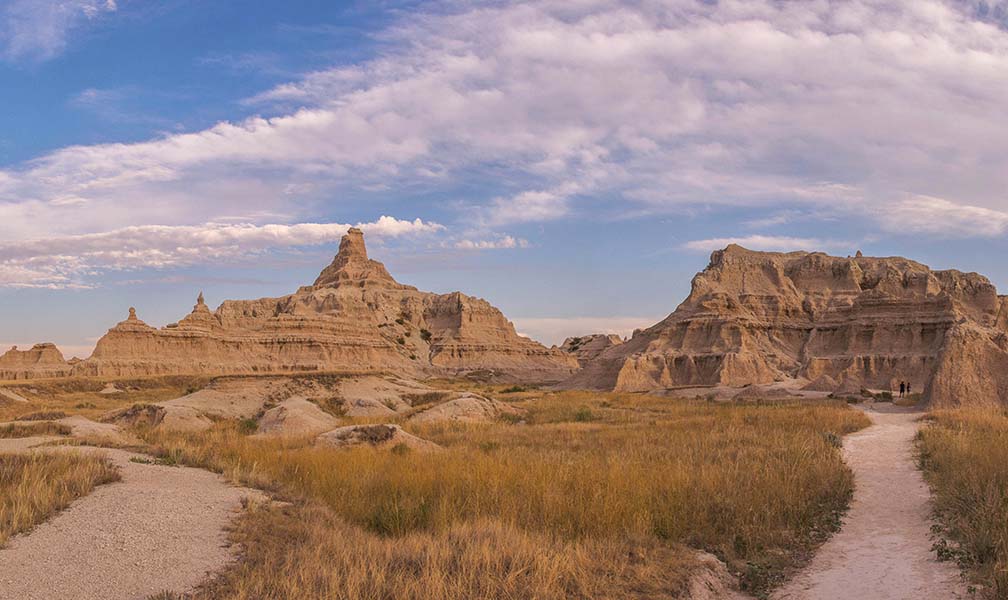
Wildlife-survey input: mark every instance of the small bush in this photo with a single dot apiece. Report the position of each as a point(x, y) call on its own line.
point(425, 335)
point(584, 415)
point(248, 426)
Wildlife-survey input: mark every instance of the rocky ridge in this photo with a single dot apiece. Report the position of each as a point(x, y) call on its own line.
point(354, 317)
point(760, 317)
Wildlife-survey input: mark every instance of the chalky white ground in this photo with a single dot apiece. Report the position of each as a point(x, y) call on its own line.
point(883, 550)
point(159, 529)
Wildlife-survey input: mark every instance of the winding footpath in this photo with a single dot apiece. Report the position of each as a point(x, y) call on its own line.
point(159, 529)
point(883, 551)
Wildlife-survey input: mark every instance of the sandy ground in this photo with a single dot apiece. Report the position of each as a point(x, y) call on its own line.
point(883, 550)
point(160, 528)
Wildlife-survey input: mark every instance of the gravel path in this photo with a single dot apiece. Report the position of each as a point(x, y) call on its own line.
point(160, 528)
point(883, 551)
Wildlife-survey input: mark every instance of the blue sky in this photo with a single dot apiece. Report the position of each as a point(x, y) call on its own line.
point(572, 162)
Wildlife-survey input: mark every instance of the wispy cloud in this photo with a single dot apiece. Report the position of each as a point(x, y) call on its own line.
point(767, 243)
point(504, 242)
point(38, 29)
point(70, 261)
point(649, 106)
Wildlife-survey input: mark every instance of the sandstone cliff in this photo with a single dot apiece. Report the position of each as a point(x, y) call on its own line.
point(760, 317)
point(42, 360)
point(586, 348)
point(354, 317)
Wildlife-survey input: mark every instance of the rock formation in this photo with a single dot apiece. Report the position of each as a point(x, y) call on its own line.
point(355, 317)
point(587, 348)
point(759, 317)
point(42, 360)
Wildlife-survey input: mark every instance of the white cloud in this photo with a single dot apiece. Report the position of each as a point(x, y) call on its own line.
point(940, 217)
point(38, 29)
point(505, 242)
point(766, 242)
point(68, 261)
point(554, 330)
point(653, 104)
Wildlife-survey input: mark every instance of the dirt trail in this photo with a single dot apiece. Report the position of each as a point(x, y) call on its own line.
point(160, 528)
point(883, 551)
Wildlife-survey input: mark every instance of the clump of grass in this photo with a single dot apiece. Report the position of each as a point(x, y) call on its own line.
point(306, 552)
point(42, 415)
point(754, 484)
point(31, 429)
point(35, 486)
point(964, 456)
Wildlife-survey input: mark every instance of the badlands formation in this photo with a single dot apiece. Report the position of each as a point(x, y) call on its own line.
point(828, 322)
point(355, 317)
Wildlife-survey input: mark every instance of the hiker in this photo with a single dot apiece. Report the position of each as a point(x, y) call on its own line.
point(908, 388)
point(902, 388)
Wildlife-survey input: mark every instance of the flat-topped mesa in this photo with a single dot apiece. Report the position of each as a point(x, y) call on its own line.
point(355, 317)
point(41, 360)
point(759, 317)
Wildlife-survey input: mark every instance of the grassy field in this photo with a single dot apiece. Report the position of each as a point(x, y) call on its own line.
point(595, 491)
point(83, 397)
point(33, 487)
point(964, 456)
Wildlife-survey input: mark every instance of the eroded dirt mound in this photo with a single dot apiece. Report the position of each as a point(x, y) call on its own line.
point(377, 436)
point(170, 418)
point(295, 416)
point(374, 396)
point(468, 408)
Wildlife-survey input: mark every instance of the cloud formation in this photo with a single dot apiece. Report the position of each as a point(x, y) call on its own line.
point(38, 29)
point(767, 243)
point(68, 261)
point(871, 110)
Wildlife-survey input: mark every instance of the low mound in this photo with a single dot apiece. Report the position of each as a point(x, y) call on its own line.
point(755, 392)
point(171, 418)
point(467, 408)
point(823, 383)
point(110, 388)
point(12, 395)
point(295, 416)
point(377, 436)
point(373, 396)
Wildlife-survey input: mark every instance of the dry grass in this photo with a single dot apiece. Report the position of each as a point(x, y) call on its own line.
point(35, 486)
point(320, 556)
point(757, 485)
point(30, 429)
point(964, 456)
point(81, 395)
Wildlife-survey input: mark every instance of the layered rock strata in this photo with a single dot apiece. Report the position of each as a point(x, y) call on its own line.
point(759, 317)
point(354, 317)
point(587, 347)
point(41, 360)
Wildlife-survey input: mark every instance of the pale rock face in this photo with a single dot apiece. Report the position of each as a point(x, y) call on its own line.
point(41, 360)
point(355, 317)
point(586, 348)
point(759, 317)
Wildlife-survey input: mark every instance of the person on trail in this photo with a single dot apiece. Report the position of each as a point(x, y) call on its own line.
point(902, 388)
point(908, 388)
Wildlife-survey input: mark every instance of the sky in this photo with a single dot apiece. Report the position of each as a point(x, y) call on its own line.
point(573, 161)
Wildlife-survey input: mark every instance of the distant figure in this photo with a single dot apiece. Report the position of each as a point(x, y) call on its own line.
point(902, 389)
point(908, 388)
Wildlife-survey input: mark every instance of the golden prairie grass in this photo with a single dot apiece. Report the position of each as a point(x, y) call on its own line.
point(82, 395)
point(964, 456)
point(35, 486)
point(321, 556)
point(756, 485)
point(29, 429)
